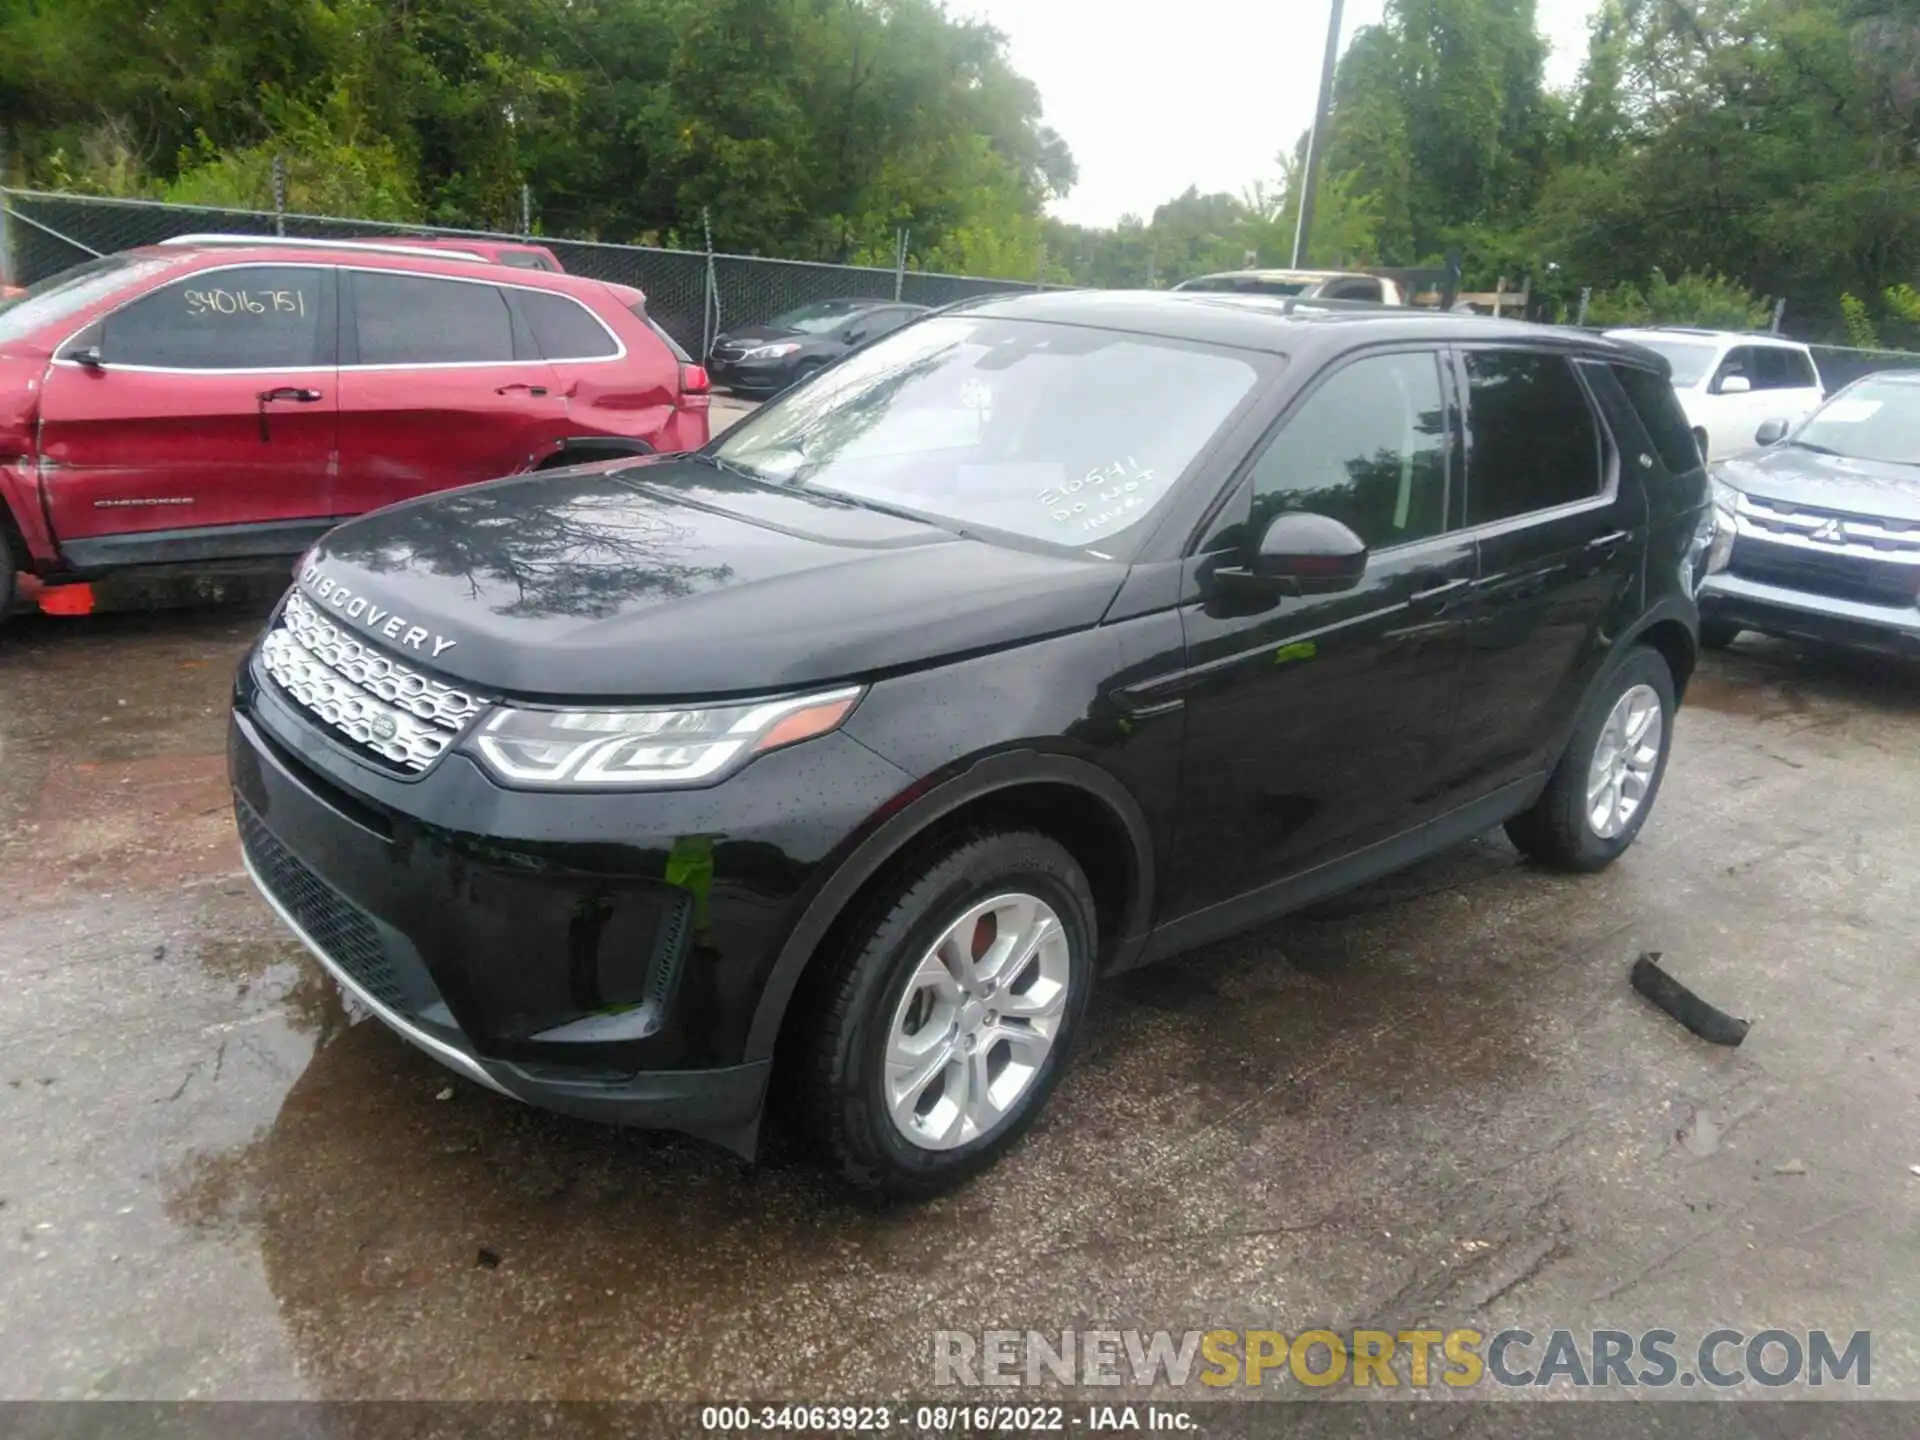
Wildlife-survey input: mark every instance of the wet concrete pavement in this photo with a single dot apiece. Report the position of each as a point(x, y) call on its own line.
point(1435, 1100)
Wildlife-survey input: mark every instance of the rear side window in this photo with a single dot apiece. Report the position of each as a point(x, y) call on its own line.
point(265, 317)
point(418, 320)
point(674, 346)
point(563, 328)
point(1368, 448)
point(1535, 443)
point(1351, 290)
point(1661, 417)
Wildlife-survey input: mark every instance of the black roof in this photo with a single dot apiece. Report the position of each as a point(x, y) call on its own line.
point(1281, 326)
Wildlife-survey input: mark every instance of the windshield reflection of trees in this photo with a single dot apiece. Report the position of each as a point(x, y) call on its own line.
point(589, 553)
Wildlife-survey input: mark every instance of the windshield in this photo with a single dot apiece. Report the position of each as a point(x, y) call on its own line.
point(1872, 420)
point(1690, 362)
point(71, 291)
point(1051, 432)
point(1247, 285)
point(819, 317)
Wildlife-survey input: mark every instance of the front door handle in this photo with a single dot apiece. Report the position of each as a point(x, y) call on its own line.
point(521, 385)
point(295, 393)
point(1436, 599)
point(1605, 547)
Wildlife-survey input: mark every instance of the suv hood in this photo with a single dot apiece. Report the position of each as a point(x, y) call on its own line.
point(1806, 478)
point(660, 579)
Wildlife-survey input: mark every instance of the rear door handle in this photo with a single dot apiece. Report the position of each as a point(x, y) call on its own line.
point(520, 385)
point(1436, 599)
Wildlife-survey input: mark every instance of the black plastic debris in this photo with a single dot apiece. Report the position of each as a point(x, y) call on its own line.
point(1708, 1022)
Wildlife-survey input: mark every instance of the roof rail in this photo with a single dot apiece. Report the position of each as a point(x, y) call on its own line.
point(383, 246)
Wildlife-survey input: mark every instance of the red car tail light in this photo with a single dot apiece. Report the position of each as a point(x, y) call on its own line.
point(696, 388)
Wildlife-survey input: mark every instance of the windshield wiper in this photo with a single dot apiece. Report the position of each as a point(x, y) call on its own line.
point(1817, 449)
point(898, 512)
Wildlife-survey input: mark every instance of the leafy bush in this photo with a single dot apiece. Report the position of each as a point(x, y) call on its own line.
point(1860, 331)
point(1705, 298)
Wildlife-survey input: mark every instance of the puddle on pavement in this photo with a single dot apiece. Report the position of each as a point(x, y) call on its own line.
point(466, 1245)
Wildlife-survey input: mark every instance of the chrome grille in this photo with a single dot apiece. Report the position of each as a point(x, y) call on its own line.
point(376, 701)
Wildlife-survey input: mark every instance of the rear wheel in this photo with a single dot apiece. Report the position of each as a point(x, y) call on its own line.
point(951, 1013)
point(1604, 787)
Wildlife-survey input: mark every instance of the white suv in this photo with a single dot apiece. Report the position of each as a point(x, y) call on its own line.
point(1731, 384)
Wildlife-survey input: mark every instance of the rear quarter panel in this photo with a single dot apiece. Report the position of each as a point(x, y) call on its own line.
point(635, 398)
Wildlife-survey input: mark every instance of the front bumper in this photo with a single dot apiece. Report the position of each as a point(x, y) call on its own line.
point(1799, 614)
point(757, 376)
point(599, 955)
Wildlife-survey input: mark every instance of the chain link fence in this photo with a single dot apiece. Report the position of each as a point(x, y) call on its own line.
point(691, 294)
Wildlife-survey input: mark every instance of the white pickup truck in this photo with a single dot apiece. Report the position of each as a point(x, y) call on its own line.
point(1305, 284)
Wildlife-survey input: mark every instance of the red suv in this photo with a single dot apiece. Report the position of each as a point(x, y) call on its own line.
point(230, 400)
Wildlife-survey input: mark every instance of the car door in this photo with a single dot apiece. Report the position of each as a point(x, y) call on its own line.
point(1561, 526)
point(440, 385)
point(1734, 415)
point(196, 421)
point(1319, 724)
point(1787, 387)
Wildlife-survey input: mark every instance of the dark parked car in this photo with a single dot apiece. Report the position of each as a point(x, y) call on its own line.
point(764, 359)
point(1819, 531)
point(1062, 633)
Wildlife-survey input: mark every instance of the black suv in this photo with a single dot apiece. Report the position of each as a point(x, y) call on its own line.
point(1047, 637)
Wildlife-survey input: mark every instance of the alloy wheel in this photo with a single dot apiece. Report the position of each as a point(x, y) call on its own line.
point(1625, 758)
point(976, 1021)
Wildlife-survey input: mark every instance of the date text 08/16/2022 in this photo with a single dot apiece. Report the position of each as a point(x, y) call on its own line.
point(946, 1419)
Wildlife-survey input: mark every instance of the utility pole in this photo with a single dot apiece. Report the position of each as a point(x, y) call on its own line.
point(1317, 140)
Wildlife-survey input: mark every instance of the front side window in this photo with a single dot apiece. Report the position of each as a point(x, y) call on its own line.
point(1368, 448)
point(1778, 368)
point(822, 317)
point(402, 319)
point(1740, 361)
point(1049, 432)
point(1352, 290)
point(1534, 443)
point(256, 317)
point(59, 297)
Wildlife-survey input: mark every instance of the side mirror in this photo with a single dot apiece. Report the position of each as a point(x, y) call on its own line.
point(1301, 554)
point(87, 356)
point(1771, 433)
point(1735, 385)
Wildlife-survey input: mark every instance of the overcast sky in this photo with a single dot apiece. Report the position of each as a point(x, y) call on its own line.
point(1207, 97)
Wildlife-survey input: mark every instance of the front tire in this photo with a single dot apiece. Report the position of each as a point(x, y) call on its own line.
point(1605, 785)
point(951, 1013)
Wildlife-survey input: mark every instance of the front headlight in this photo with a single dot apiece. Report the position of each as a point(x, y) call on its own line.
point(615, 749)
point(771, 352)
point(1726, 504)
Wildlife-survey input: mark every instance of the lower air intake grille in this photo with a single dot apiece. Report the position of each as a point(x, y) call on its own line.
point(340, 929)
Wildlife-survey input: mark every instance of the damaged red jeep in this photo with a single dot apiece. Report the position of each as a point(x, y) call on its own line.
point(206, 405)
